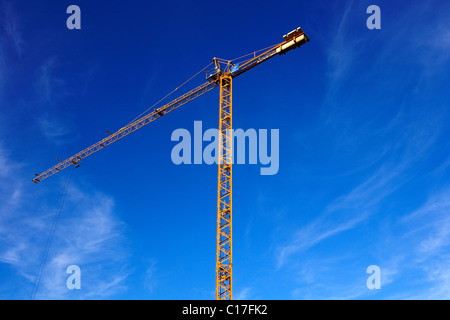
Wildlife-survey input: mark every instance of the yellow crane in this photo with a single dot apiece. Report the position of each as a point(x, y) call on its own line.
point(222, 77)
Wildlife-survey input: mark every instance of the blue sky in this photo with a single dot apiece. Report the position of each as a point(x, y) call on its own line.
point(364, 176)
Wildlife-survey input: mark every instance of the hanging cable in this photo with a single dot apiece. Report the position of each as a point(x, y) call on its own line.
point(137, 117)
point(50, 238)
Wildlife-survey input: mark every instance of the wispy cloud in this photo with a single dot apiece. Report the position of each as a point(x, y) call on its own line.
point(90, 241)
point(426, 233)
point(432, 222)
point(243, 294)
point(49, 86)
point(55, 131)
point(51, 90)
point(10, 25)
point(341, 53)
point(403, 136)
point(314, 233)
point(89, 234)
point(355, 207)
point(150, 279)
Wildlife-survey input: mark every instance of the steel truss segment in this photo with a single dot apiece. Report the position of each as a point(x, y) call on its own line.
point(131, 127)
point(224, 192)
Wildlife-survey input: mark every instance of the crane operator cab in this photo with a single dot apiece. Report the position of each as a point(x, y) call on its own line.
point(213, 75)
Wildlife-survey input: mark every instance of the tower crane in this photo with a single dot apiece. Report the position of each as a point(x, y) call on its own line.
point(221, 76)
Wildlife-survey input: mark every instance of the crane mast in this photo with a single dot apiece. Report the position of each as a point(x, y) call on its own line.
point(222, 77)
point(224, 261)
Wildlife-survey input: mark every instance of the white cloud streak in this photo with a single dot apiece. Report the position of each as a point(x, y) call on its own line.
point(10, 26)
point(411, 136)
point(89, 234)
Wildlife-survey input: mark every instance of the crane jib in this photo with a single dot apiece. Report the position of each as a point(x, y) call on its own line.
point(292, 40)
point(157, 113)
